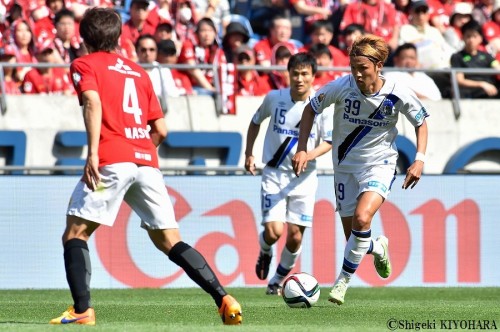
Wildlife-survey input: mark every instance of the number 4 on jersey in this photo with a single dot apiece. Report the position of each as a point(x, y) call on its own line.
point(130, 100)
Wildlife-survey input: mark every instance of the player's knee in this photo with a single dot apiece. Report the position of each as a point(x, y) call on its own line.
point(273, 232)
point(362, 220)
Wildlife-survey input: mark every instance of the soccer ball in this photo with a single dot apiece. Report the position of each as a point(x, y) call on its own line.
point(300, 290)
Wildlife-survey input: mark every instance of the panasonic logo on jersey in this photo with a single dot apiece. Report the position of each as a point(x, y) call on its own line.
point(289, 132)
point(366, 122)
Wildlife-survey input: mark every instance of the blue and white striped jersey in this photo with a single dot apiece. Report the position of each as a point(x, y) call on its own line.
point(280, 143)
point(364, 127)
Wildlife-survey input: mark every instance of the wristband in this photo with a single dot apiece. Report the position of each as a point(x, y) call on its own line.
point(420, 156)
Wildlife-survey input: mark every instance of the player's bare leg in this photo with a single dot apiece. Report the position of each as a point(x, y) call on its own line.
point(271, 233)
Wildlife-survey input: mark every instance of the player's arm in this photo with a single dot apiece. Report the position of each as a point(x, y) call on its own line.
point(158, 131)
point(253, 131)
point(92, 116)
point(414, 172)
point(320, 150)
point(299, 160)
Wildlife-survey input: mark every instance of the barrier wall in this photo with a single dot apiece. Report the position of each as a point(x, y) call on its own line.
point(444, 232)
point(471, 142)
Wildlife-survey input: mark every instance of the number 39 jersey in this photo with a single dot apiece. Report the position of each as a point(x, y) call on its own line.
point(280, 143)
point(364, 127)
point(128, 102)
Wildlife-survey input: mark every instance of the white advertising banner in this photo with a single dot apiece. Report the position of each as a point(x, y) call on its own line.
point(444, 232)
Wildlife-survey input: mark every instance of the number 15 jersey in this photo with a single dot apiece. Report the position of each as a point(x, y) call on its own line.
point(128, 103)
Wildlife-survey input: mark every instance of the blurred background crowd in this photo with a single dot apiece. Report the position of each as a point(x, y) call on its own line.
point(215, 37)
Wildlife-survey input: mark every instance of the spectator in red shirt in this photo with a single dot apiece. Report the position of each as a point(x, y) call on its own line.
point(376, 16)
point(162, 12)
point(43, 24)
point(324, 59)
point(185, 21)
point(10, 81)
point(23, 40)
point(280, 79)
point(349, 35)
point(440, 12)
point(322, 33)
point(80, 6)
point(50, 80)
point(167, 55)
point(312, 10)
point(134, 27)
point(203, 50)
point(279, 32)
point(249, 82)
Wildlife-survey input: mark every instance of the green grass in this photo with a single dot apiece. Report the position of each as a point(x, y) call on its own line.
point(366, 309)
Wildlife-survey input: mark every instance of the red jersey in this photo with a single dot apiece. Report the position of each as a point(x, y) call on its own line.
point(491, 30)
point(309, 19)
point(129, 36)
point(440, 12)
point(379, 19)
point(182, 82)
point(128, 104)
point(256, 86)
point(54, 82)
point(12, 88)
point(264, 50)
point(339, 58)
point(325, 78)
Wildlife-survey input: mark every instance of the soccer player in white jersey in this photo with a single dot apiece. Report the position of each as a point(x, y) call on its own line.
point(286, 198)
point(364, 154)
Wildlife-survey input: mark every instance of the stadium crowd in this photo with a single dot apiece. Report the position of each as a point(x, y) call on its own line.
point(425, 34)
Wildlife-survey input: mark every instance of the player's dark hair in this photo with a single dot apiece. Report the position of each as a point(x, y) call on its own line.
point(320, 49)
point(404, 47)
point(303, 59)
point(100, 29)
point(64, 12)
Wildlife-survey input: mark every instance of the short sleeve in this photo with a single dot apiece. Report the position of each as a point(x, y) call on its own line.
point(83, 78)
point(323, 98)
point(263, 111)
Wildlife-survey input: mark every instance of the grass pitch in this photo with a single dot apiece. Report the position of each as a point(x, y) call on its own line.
point(190, 309)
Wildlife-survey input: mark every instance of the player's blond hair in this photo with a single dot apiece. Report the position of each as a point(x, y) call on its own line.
point(373, 47)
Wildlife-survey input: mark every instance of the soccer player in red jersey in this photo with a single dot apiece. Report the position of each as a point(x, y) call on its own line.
point(119, 104)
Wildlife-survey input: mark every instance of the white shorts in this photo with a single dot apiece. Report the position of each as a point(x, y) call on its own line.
point(142, 187)
point(348, 186)
point(288, 198)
